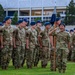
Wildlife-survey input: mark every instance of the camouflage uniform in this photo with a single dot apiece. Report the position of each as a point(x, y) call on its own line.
point(70, 50)
point(26, 29)
point(73, 49)
point(19, 51)
point(6, 52)
point(38, 50)
point(31, 52)
point(53, 50)
point(62, 49)
point(0, 47)
point(46, 47)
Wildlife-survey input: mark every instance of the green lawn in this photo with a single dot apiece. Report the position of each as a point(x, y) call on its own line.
point(37, 71)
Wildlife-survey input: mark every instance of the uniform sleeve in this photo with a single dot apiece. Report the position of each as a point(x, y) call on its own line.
point(41, 34)
point(73, 38)
point(54, 33)
point(15, 33)
point(1, 32)
point(27, 33)
point(68, 38)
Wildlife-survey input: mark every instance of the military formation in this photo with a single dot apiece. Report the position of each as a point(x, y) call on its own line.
point(23, 44)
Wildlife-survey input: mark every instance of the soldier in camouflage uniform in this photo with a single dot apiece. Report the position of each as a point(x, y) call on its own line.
point(45, 44)
point(14, 34)
point(0, 41)
point(62, 45)
point(32, 42)
point(53, 43)
point(19, 45)
point(73, 47)
point(38, 49)
point(25, 22)
point(6, 43)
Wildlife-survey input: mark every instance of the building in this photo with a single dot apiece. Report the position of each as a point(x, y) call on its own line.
point(33, 9)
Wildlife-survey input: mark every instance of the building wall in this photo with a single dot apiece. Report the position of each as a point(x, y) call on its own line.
point(33, 9)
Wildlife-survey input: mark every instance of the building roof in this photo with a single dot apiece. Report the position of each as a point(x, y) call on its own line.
point(33, 3)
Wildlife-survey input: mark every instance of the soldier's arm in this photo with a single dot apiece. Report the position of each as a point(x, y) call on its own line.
point(68, 41)
point(1, 35)
point(40, 39)
point(51, 41)
point(73, 40)
point(27, 39)
point(52, 31)
point(1, 41)
point(27, 43)
point(14, 40)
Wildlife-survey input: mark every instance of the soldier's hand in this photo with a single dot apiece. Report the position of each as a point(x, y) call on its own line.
point(71, 46)
point(1, 46)
point(14, 46)
point(53, 47)
point(55, 29)
point(40, 46)
point(27, 47)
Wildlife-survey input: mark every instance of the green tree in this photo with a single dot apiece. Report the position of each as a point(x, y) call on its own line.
point(1, 13)
point(70, 13)
point(36, 19)
point(15, 18)
point(58, 14)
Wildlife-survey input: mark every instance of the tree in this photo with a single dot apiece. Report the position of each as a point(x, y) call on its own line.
point(36, 19)
point(58, 14)
point(70, 13)
point(15, 18)
point(1, 13)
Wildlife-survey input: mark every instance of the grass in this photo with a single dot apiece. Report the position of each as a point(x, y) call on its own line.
point(38, 71)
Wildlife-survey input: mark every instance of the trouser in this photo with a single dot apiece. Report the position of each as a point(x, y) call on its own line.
point(30, 57)
point(73, 54)
point(61, 59)
point(16, 56)
point(53, 60)
point(44, 59)
point(22, 55)
point(36, 56)
point(6, 53)
point(0, 56)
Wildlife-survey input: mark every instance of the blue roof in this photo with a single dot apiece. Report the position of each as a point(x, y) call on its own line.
point(32, 3)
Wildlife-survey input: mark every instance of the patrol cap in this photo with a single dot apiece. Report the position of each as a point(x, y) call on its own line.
point(1, 24)
point(39, 21)
point(67, 30)
point(20, 21)
point(25, 20)
point(3, 21)
point(74, 28)
point(32, 23)
point(6, 18)
point(57, 19)
point(47, 23)
point(62, 24)
point(71, 30)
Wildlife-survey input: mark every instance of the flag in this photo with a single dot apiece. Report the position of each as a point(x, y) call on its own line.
point(53, 18)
